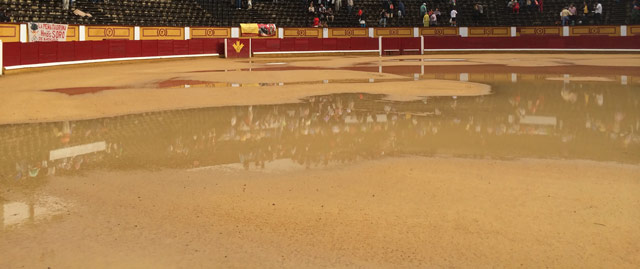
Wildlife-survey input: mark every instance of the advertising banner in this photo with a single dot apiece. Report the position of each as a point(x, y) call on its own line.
point(255, 29)
point(39, 32)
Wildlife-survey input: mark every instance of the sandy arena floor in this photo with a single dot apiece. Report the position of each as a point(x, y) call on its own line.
point(389, 211)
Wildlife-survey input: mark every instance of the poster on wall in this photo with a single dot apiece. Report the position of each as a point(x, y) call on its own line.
point(41, 32)
point(258, 29)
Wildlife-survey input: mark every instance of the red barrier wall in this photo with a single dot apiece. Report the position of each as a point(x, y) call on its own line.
point(16, 53)
point(315, 44)
point(533, 42)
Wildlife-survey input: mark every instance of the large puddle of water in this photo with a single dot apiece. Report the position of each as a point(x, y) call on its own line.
point(526, 116)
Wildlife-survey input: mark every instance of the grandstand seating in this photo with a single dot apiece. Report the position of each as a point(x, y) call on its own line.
point(289, 13)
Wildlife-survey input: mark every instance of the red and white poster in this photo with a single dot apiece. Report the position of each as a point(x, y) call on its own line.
point(39, 32)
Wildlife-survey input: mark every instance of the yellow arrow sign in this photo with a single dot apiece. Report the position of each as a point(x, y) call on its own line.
point(238, 46)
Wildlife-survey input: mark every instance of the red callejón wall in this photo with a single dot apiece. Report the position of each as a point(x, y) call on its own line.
point(308, 45)
point(16, 53)
point(533, 42)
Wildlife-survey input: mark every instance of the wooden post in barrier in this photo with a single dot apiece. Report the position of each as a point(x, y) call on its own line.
point(1, 64)
point(225, 48)
point(380, 45)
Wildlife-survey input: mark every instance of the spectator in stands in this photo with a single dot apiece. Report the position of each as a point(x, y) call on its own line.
point(249, 4)
point(564, 16)
point(453, 2)
point(363, 23)
point(454, 14)
point(316, 22)
point(574, 13)
point(585, 9)
point(391, 9)
point(330, 16)
point(516, 7)
point(383, 18)
point(635, 12)
point(479, 10)
point(312, 9)
point(401, 9)
point(423, 9)
point(337, 5)
point(360, 13)
point(65, 4)
point(322, 10)
point(438, 14)
point(426, 19)
point(238, 4)
point(4, 16)
point(597, 13)
point(350, 6)
point(433, 20)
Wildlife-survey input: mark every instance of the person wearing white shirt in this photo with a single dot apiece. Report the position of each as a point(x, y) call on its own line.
point(597, 13)
point(454, 13)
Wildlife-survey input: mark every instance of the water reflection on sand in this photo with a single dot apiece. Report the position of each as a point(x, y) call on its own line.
point(30, 209)
point(526, 116)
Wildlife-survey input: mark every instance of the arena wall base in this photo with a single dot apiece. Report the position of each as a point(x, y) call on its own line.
point(315, 53)
point(28, 66)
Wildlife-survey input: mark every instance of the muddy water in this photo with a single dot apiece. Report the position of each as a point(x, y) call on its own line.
point(526, 116)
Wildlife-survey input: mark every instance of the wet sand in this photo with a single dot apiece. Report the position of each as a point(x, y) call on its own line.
point(408, 212)
point(25, 99)
point(387, 209)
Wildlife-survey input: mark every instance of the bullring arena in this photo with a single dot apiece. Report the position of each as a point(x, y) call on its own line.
point(184, 143)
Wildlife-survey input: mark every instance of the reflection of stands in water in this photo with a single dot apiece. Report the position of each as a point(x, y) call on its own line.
point(38, 208)
point(335, 129)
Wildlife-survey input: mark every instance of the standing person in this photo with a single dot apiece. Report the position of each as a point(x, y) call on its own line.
point(585, 9)
point(597, 13)
point(423, 9)
point(249, 4)
point(401, 9)
point(238, 4)
point(433, 20)
point(574, 12)
point(425, 20)
point(65, 4)
point(338, 5)
point(350, 6)
point(454, 14)
point(564, 16)
point(383, 18)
